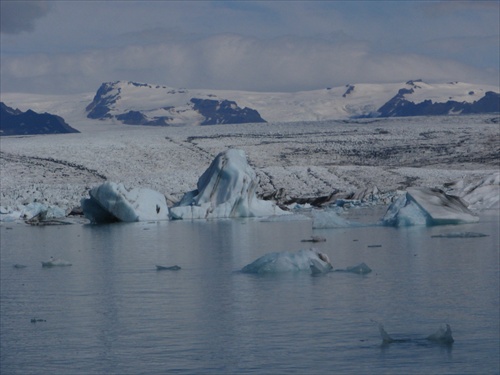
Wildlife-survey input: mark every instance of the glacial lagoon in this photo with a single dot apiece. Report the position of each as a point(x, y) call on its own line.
point(113, 312)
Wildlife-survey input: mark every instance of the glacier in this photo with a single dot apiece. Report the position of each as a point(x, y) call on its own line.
point(114, 202)
point(309, 260)
point(427, 206)
point(225, 190)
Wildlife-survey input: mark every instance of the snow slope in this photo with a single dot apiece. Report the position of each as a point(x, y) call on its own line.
point(345, 102)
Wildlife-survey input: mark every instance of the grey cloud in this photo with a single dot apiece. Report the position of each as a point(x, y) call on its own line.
point(20, 16)
point(233, 62)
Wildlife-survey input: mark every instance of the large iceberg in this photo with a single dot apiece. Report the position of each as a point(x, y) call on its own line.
point(226, 189)
point(113, 202)
point(427, 206)
point(309, 260)
point(483, 194)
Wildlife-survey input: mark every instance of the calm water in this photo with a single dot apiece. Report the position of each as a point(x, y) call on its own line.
point(111, 312)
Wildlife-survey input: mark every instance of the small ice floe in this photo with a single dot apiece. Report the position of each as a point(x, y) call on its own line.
point(426, 206)
point(308, 260)
point(314, 239)
point(361, 269)
point(55, 262)
point(168, 268)
point(460, 235)
point(442, 336)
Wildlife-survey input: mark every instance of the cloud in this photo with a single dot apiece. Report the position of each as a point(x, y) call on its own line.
point(20, 16)
point(234, 62)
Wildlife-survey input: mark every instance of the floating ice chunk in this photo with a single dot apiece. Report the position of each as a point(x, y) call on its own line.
point(426, 206)
point(441, 336)
point(361, 269)
point(314, 239)
point(31, 210)
point(324, 219)
point(460, 235)
point(113, 202)
point(168, 268)
point(226, 189)
point(290, 262)
point(55, 262)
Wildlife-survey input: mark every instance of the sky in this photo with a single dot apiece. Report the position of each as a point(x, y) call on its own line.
point(64, 47)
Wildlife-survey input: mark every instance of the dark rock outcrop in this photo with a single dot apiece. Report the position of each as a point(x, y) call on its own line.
point(399, 106)
point(224, 112)
point(15, 122)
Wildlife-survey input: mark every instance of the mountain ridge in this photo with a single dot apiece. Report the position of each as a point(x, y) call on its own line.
point(148, 104)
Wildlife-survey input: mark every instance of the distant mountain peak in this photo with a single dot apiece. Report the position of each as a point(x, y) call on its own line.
point(150, 104)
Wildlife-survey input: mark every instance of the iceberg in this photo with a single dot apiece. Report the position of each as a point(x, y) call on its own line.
point(309, 260)
point(111, 202)
point(427, 206)
point(483, 194)
point(225, 190)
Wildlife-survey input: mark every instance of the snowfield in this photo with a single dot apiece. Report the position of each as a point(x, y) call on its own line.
point(300, 159)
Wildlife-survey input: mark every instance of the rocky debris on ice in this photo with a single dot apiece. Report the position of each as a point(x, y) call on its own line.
point(427, 206)
point(309, 260)
point(112, 201)
point(225, 190)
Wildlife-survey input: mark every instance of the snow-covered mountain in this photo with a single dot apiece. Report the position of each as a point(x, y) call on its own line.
point(144, 104)
point(147, 104)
